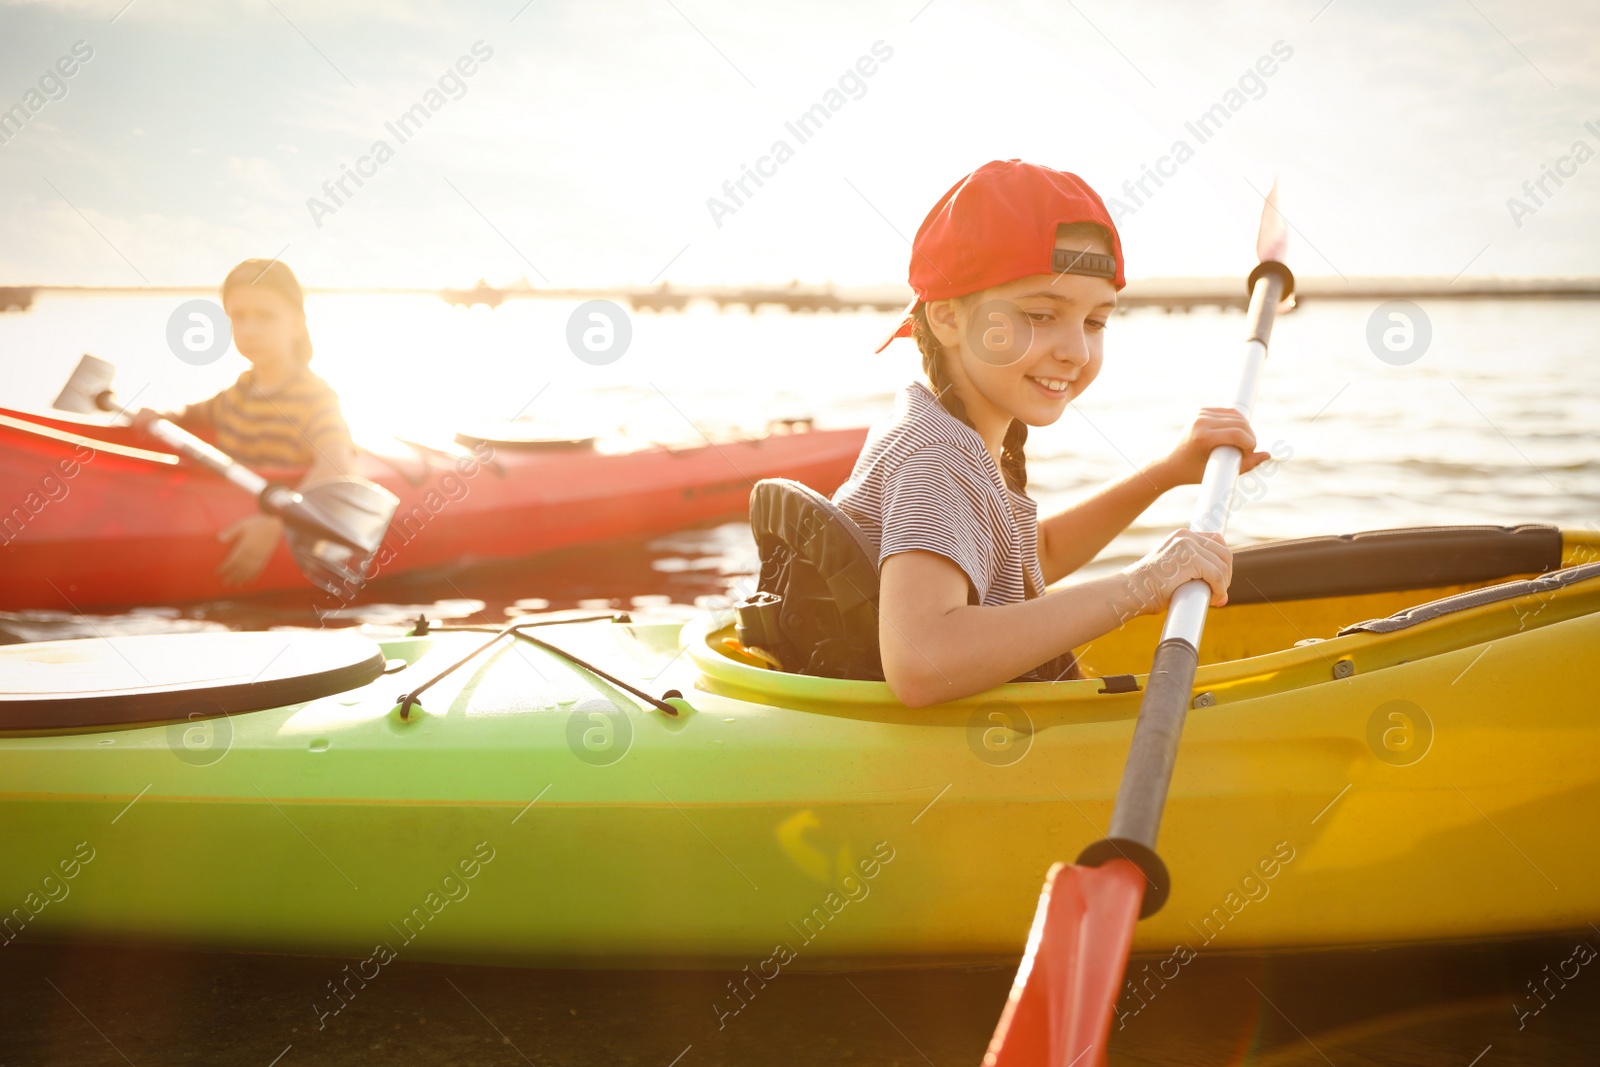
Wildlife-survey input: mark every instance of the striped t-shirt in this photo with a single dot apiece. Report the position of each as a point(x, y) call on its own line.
point(284, 428)
point(925, 482)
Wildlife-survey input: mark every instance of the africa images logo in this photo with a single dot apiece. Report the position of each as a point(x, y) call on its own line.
point(52, 86)
point(805, 126)
point(404, 128)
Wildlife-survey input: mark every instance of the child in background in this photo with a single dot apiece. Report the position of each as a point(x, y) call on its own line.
point(1016, 272)
point(278, 415)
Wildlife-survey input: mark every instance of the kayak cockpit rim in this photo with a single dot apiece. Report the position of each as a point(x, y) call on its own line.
point(1461, 628)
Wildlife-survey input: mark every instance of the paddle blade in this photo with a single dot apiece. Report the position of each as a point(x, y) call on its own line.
point(90, 381)
point(1059, 1010)
point(328, 565)
point(1272, 240)
point(335, 527)
point(354, 512)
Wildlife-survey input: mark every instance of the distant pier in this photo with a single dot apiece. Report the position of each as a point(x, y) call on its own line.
point(1168, 294)
point(16, 298)
point(793, 297)
point(1183, 294)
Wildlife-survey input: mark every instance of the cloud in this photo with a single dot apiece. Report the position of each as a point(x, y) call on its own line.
point(591, 140)
point(260, 179)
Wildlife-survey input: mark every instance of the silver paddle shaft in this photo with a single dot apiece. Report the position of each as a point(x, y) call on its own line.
point(187, 444)
point(1186, 614)
point(1136, 819)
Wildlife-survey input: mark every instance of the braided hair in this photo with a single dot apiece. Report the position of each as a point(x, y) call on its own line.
point(1013, 463)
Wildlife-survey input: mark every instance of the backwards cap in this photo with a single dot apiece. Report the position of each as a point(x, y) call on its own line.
point(998, 224)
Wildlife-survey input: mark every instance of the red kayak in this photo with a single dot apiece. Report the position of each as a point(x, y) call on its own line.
point(98, 516)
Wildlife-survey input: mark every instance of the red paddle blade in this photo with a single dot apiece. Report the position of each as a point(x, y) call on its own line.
point(1272, 240)
point(1059, 1010)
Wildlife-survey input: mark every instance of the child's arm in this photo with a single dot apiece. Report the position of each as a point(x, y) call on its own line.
point(253, 539)
point(1073, 537)
point(937, 647)
point(328, 435)
point(200, 416)
point(335, 458)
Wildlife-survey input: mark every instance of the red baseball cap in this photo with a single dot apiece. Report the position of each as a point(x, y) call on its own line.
point(998, 224)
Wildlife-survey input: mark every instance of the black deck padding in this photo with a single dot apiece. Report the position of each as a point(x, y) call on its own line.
point(1377, 561)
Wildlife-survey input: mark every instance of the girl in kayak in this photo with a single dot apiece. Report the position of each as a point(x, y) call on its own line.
point(278, 415)
point(1016, 272)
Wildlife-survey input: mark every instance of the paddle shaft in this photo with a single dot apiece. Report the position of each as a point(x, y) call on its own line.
point(1136, 818)
point(173, 436)
point(332, 528)
point(89, 389)
point(273, 497)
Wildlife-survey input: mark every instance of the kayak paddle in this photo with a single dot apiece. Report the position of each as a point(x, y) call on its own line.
point(1060, 1008)
point(333, 528)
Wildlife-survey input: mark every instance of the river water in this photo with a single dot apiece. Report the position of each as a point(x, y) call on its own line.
point(1496, 421)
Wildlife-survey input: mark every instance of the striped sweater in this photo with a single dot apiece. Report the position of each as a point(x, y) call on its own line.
point(281, 429)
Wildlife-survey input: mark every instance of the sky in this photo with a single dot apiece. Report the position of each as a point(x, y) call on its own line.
point(590, 143)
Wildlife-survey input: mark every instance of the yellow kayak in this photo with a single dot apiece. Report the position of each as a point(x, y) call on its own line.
point(1394, 765)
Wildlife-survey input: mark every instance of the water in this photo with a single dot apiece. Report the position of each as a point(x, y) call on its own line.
point(1457, 1006)
point(1496, 423)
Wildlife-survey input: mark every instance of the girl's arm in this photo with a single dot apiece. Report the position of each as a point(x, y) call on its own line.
point(937, 647)
point(1071, 538)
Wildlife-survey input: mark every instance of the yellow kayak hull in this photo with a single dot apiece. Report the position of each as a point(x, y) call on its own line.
point(1441, 782)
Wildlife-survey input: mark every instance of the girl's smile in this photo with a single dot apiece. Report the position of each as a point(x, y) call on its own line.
point(1056, 388)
